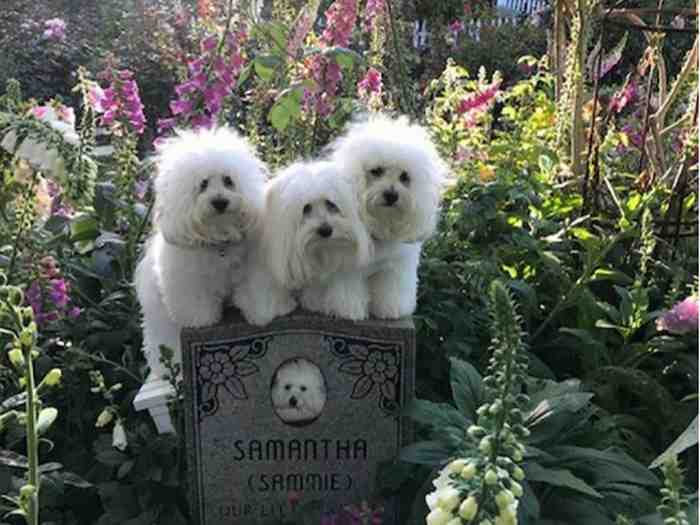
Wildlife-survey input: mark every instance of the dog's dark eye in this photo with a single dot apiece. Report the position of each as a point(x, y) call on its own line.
point(303, 389)
point(404, 178)
point(377, 172)
point(287, 387)
point(228, 181)
point(332, 208)
point(204, 185)
point(307, 209)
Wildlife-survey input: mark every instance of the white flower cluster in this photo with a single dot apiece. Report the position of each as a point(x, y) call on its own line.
point(452, 502)
point(40, 155)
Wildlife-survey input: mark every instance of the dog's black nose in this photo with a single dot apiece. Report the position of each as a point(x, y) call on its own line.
point(390, 197)
point(293, 402)
point(325, 231)
point(219, 205)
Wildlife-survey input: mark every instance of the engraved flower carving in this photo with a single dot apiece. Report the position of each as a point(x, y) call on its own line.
point(225, 367)
point(375, 365)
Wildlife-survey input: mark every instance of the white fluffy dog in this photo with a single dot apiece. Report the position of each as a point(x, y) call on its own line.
point(298, 391)
point(311, 236)
point(208, 196)
point(398, 176)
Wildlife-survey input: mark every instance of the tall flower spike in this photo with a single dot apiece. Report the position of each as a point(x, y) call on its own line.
point(673, 504)
point(489, 482)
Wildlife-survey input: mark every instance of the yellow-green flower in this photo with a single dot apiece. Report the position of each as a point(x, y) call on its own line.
point(468, 508)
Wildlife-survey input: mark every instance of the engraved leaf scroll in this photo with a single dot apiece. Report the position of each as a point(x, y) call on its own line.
point(221, 367)
point(374, 365)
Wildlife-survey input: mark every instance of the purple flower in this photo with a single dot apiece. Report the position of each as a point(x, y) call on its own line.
point(181, 107)
point(680, 319)
point(166, 123)
point(209, 43)
point(34, 297)
point(120, 103)
point(74, 312)
point(202, 121)
point(55, 29)
point(59, 292)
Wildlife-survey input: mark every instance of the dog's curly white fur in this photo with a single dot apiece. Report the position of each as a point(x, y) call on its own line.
point(298, 391)
point(208, 198)
point(312, 233)
point(398, 177)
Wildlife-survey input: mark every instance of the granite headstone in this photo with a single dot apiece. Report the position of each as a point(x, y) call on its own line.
point(302, 410)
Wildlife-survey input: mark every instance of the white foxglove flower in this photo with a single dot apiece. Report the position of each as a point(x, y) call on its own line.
point(119, 440)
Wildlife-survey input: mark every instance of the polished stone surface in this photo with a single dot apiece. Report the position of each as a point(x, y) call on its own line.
point(254, 452)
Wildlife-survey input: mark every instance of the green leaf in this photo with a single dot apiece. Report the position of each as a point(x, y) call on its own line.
point(84, 227)
point(687, 439)
point(603, 274)
point(559, 478)
point(435, 415)
point(111, 457)
point(465, 381)
point(287, 107)
point(46, 418)
point(343, 56)
point(425, 453)
point(265, 66)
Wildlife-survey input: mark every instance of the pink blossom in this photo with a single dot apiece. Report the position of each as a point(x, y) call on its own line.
point(181, 106)
point(373, 10)
point(680, 319)
point(627, 95)
point(55, 29)
point(340, 21)
point(479, 101)
point(456, 27)
point(370, 85)
point(120, 102)
point(303, 26)
point(209, 43)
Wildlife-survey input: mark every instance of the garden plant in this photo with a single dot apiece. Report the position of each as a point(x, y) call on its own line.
point(557, 320)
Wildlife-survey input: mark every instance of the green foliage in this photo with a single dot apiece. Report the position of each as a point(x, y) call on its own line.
point(581, 377)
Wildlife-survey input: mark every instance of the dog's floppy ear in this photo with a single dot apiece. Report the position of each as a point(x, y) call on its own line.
point(283, 253)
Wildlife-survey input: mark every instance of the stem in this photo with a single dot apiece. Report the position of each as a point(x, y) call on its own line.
point(116, 366)
point(407, 107)
point(581, 281)
point(20, 232)
point(32, 441)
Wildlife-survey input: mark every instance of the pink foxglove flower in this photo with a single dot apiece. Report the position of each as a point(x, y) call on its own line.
point(681, 319)
point(55, 29)
point(373, 11)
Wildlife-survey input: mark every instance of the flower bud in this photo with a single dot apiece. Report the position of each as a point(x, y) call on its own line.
point(485, 445)
point(476, 431)
point(53, 377)
point(504, 498)
point(26, 337)
point(119, 440)
point(516, 488)
point(469, 471)
point(517, 455)
point(438, 516)
point(456, 466)
point(455, 521)
point(495, 407)
point(448, 498)
point(518, 473)
point(104, 418)
point(16, 358)
point(27, 491)
point(468, 508)
point(491, 478)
